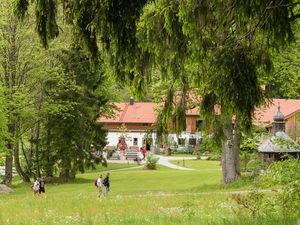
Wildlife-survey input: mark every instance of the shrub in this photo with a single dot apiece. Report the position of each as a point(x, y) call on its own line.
point(251, 202)
point(287, 175)
point(214, 157)
point(284, 202)
point(151, 161)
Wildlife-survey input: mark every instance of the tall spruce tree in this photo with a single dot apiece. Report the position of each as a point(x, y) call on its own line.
point(75, 98)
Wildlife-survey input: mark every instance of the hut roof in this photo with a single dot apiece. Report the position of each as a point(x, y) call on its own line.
point(279, 142)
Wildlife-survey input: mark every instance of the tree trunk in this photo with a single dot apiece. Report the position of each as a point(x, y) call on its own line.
point(37, 150)
point(49, 165)
point(66, 175)
point(9, 158)
point(8, 170)
point(236, 148)
point(228, 154)
point(27, 161)
point(19, 170)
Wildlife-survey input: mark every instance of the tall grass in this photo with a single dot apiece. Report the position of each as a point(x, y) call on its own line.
point(138, 196)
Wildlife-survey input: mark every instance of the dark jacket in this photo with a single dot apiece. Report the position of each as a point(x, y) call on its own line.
point(106, 182)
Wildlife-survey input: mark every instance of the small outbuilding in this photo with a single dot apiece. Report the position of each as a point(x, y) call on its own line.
point(278, 145)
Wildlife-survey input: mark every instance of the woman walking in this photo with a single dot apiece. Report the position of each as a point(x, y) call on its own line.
point(99, 185)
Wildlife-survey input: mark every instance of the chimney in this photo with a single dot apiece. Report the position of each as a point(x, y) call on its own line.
point(131, 101)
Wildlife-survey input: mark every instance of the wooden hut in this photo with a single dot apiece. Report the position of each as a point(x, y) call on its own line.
point(278, 145)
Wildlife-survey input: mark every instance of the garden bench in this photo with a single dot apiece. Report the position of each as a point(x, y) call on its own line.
point(131, 155)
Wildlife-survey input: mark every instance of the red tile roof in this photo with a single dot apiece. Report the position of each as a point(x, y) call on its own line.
point(264, 115)
point(139, 112)
point(144, 112)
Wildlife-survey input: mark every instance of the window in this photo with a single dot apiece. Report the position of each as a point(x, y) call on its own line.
point(135, 141)
point(192, 141)
point(181, 141)
point(198, 124)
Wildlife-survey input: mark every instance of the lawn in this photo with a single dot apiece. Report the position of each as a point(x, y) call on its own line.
point(137, 196)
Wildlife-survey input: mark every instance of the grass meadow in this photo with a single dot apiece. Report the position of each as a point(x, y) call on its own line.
point(164, 196)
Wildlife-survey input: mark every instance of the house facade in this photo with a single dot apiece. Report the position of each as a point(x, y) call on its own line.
point(135, 123)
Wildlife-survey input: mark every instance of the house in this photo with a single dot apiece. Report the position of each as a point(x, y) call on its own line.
point(134, 122)
point(290, 108)
point(134, 126)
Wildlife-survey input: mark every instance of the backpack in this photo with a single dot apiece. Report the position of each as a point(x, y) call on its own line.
point(95, 182)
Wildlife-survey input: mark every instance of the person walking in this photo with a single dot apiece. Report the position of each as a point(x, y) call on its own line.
point(144, 151)
point(106, 183)
point(36, 186)
point(42, 186)
point(99, 185)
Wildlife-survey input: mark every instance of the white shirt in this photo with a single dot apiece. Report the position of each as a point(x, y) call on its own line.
point(99, 182)
point(36, 185)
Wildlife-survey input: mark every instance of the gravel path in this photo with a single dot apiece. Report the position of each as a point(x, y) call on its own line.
point(163, 160)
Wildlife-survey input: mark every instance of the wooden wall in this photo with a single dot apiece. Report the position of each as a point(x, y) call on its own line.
point(292, 127)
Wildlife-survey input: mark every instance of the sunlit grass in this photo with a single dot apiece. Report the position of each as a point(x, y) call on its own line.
point(137, 196)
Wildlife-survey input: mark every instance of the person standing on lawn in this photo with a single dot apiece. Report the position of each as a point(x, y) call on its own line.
point(36, 186)
point(106, 183)
point(99, 185)
point(42, 186)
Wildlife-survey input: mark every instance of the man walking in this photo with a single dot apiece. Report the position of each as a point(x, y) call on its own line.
point(106, 184)
point(42, 186)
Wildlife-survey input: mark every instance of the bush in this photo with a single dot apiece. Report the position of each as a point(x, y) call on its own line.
point(254, 166)
point(287, 175)
point(214, 157)
point(151, 161)
point(284, 202)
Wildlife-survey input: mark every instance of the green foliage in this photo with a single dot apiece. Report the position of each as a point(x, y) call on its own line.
point(151, 161)
point(250, 161)
point(252, 164)
point(286, 175)
point(249, 143)
point(284, 81)
point(283, 172)
point(251, 201)
point(207, 145)
point(284, 202)
point(75, 97)
point(180, 38)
